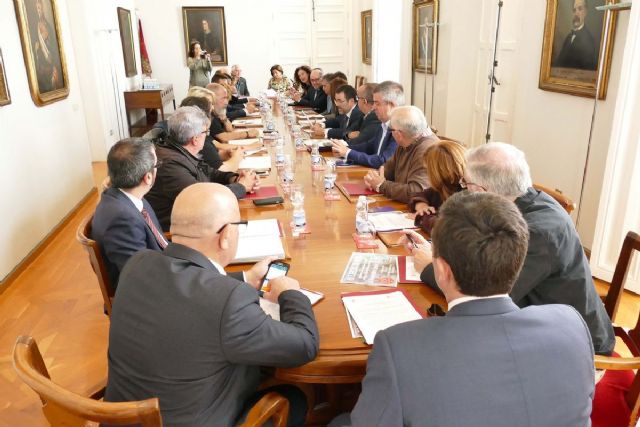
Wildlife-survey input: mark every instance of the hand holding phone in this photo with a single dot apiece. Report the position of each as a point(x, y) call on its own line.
point(276, 269)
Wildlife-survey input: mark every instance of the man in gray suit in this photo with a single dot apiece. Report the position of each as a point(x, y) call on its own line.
point(184, 331)
point(487, 362)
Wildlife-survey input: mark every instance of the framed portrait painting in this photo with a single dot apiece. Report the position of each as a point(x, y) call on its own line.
point(574, 43)
point(126, 38)
point(206, 25)
point(367, 33)
point(43, 50)
point(425, 35)
point(5, 97)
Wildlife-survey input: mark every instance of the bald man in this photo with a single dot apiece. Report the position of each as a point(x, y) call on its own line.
point(315, 96)
point(184, 331)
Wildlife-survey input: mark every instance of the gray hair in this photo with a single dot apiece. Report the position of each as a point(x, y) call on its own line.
point(500, 168)
point(367, 91)
point(410, 120)
point(391, 92)
point(186, 123)
point(234, 67)
point(129, 160)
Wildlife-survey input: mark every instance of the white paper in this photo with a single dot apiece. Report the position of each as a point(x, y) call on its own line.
point(370, 269)
point(258, 240)
point(410, 271)
point(247, 141)
point(255, 162)
point(273, 309)
point(260, 227)
point(254, 114)
point(252, 152)
point(321, 142)
point(247, 122)
point(389, 221)
point(373, 313)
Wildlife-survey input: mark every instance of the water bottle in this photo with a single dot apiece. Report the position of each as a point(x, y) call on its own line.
point(316, 158)
point(299, 216)
point(330, 176)
point(299, 143)
point(362, 216)
point(280, 152)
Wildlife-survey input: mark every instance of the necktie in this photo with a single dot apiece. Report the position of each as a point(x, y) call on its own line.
point(158, 235)
point(315, 93)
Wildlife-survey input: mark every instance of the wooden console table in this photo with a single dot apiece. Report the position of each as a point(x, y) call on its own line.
point(153, 99)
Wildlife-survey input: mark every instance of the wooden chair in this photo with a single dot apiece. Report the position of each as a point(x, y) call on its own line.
point(563, 200)
point(63, 408)
point(626, 385)
point(97, 262)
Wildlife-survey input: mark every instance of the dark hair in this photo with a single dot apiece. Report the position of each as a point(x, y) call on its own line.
point(327, 77)
point(128, 160)
point(339, 74)
point(276, 67)
point(196, 101)
point(297, 80)
point(334, 85)
point(192, 48)
point(349, 92)
point(484, 239)
point(218, 77)
point(367, 92)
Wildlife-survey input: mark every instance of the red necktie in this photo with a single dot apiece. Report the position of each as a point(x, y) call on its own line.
point(158, 235)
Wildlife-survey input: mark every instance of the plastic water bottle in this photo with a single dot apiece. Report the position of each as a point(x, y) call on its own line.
point(362, 216)
point(316, 158)
point(299, 216)
point(280, 152)
point(330, 176)
point(299, 143)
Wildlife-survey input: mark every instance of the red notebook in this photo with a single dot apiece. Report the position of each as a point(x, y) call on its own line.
point(263, 193)
point(354, 188)
point(402, 271)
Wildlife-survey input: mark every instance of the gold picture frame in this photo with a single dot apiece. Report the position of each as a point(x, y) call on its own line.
point(572, 46)
point(126, 38)
point(5, 96)
point(212, 36)
point(43, 50)
point(366, 21)
point(425, 36)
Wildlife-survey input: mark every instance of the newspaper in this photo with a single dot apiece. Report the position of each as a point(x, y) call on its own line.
point(371, 269)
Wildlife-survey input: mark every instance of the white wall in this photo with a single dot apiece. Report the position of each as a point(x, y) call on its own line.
point(359, 68)
point(45, 163)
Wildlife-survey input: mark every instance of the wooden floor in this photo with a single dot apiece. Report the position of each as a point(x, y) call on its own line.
point(57, 301)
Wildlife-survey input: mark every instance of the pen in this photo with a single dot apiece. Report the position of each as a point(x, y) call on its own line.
point(413, 242)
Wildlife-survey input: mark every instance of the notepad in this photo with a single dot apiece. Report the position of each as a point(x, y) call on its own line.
point(247, 141)
point(273, 309)
point(353, 189)
point(257, 240)
point(390, 221)
point(255, 162)
point(263, 193)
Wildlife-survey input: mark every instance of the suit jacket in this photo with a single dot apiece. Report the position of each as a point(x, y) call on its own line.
point(345, 124)
point(581, 53)
point(179, 170)
point(556, 270)
point(241, 87)
point(369, 126)
point(486, 363)
point(314, 98)
point(195, 338)
point(366, 153)
point(121, 231)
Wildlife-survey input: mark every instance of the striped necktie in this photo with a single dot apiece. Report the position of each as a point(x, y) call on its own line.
point(158, 235)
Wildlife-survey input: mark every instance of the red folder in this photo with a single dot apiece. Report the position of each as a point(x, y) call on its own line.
point(355, 188)
point(422, 313)
point(263, 193)
point(402, 271)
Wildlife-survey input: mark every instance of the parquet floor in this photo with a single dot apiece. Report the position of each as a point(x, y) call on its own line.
point(57, 301)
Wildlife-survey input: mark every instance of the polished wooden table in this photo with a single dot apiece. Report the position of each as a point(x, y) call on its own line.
point(318, 260)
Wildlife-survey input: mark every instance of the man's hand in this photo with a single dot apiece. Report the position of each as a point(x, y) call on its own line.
point(339, 149)
point(251, 107)
point(257, 272)
point(248, 179)
point(411, 239)
point(253, 133)
point(374, 178)
point(353, 134)
point(422, 257)
point(296, 96)
point(279, 285)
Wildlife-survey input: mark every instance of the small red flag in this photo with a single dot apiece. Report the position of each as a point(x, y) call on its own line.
point(144, 56)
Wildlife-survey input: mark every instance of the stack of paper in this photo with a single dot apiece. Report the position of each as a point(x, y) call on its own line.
point(388, 221)
point(256, 163)
point(371, 269)
point(375, 311)
point(257, 240)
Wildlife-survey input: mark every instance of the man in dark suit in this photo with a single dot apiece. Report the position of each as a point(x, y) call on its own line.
point(238, 81)
point(556, 270)
point(315, 96)
point(370, 123)
point(184, 331)
point(487, 362)
point(377, 150)
point(349, 119)
point(579, 49)
point(124, 222)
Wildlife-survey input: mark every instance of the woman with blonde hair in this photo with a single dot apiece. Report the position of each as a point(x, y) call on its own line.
point(445, 164)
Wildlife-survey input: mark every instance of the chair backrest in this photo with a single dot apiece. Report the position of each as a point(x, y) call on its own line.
point(563, 200)
point(612, 300)
point(360, 80)
point(64, 408)
point(97, 263)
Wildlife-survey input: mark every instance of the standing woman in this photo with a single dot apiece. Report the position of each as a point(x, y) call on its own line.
point(199, 65)
point(278, 82)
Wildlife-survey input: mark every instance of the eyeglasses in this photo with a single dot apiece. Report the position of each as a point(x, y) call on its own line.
point(465, 185)
point(232, 223)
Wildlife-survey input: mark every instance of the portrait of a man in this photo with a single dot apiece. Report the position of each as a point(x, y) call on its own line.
point(43, 50)
point(579, 49)
point(206, 25)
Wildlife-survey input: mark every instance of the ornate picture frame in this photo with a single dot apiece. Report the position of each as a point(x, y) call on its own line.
point(5, 96)
point(126, 38)
point(43, 50)
point(207, 26)
point(425, 36)
point(572, 46)
point(366, 21)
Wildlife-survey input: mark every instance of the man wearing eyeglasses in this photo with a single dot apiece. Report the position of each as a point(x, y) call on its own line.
point(185, 331)
point(315, 96)
point(349, 119)
point(124, 222)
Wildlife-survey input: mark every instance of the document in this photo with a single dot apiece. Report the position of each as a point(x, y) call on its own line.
point(389, 221)
point(247, 141)
point(257, 240)
point(371, 269)
point(407, 270)
point(376, 311)
point(247, 122)
point(255, 162)
point(273, 309)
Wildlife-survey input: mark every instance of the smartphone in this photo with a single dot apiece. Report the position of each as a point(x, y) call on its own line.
point(268, 201)
point(276, 269)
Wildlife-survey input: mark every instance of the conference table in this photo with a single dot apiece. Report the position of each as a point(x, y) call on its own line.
point(318, 260)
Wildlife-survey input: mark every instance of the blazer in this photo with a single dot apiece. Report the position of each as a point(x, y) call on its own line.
point(486, 363)
point(555, 270)
point(369, 126)
point(366, 153)
point(241, 87)
point(344, 124)
point(195, 338)
point(314, 98)
point(121, 231)
point(179, 170)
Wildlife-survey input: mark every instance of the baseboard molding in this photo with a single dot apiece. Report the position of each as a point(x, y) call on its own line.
point(35, 252)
